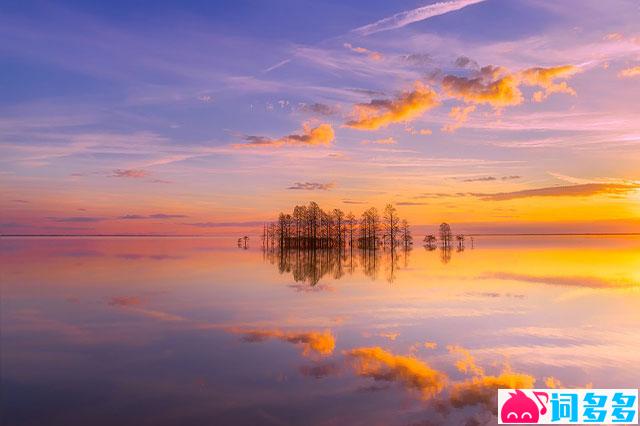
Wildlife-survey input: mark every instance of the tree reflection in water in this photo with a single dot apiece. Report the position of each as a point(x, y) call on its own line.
point(445, 254)
point(311, 265)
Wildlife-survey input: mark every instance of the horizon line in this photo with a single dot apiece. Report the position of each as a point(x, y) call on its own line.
point(490, 234)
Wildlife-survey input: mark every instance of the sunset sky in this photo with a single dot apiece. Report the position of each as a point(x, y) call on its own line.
point(202, 117)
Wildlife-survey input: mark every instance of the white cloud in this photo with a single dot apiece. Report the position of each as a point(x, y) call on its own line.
point(407, 17)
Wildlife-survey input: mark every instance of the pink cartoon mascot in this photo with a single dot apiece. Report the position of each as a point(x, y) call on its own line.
point(519, 408)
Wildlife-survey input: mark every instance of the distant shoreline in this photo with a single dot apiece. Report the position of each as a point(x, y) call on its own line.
point(116, 235)
point(515, 234)
point(554, 234)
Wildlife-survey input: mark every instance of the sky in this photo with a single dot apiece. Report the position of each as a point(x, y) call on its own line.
point(200, 117)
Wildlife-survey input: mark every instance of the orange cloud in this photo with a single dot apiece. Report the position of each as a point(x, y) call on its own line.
point(613, 37)
point(552, 383)
point(460, 115)
point(545, 78)
point(382, 112)
point(630, 72)
point(415, 375)
point(494, 86)
point(376, 56)
point(483, 389)
point(467, 364)
point(498, 87)
point(311, 136)
point(411, 372)
point(321, 343)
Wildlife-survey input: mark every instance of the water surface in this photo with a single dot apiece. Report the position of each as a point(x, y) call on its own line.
point(196, 331)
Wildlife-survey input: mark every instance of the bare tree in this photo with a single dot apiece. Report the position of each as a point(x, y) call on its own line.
point(375, 226)
point(405, 232)
point(369, 229)
point(299, 213)
point(430, 241)
point(271, 234)
point(391, 224)
point(445, 235)
point(313, 220)
point(264, 235)
point(338, 216)
point(351, 223)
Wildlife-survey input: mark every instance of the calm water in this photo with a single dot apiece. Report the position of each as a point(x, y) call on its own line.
point(197, 331)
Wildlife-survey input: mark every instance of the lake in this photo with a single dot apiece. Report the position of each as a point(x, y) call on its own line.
point(194, 331)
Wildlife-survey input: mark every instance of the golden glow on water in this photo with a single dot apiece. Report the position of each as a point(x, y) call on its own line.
point(432, 328)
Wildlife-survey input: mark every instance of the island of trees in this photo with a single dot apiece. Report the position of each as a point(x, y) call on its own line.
point(310, 242)
point(446, 238)
point(311, 227)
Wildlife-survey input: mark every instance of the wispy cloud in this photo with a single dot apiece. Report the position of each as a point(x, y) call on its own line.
point(125, 301)
point(224, 224)
point(132, 217)
point(411, 203)
point(385, 141)
point(312, 342)
point(491, 178)
point(312, 186)
point(481, 179)
point(166, 216)
point(276, 66)
point(570, 281)
point(152, 216)
point(320, 370)
point(318, 108)
point(578, 180)
point(321, 135)
point(376, 56)
point(402, 19)
point(630, 72)
point(579, 190)
point(582, 190)
point(129, 173)
point(77, 219)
